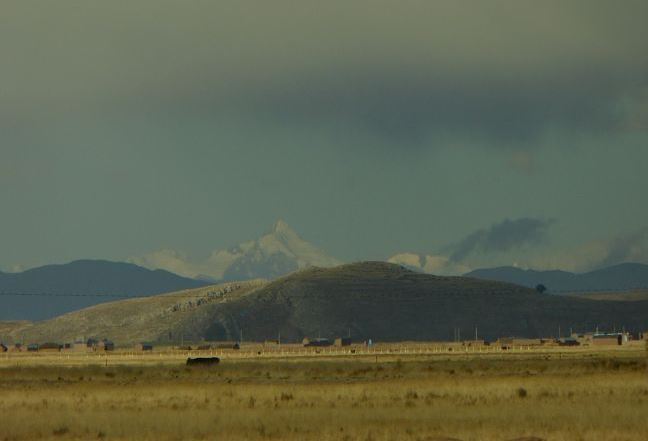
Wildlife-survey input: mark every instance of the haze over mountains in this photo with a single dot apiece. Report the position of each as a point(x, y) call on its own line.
point(274, 254)
point(431, 264)
point(382, 301)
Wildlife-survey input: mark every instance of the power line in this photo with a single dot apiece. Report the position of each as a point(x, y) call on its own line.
point(370, 297)
point(49, 294)
point(120, 296)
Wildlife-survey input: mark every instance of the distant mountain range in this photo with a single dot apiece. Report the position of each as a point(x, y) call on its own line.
point(624, 276)
point(76, 280)
point(377, 300)
point(276, 253)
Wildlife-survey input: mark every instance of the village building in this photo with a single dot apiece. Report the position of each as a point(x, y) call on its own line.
point(512, 342)
point(228, 345)
point(568, 341)
point(474, 343)
point(17, 347)
point(143, 347)
point(343, 341)
point(3, 348)
point(79, 346)
point(50, 347)
point(318, 342)
point(92, 342)
point(610, 339)
point(104, 346)
point(585, 339)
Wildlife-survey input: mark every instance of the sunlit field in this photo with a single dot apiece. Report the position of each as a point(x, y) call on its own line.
point(560, 395)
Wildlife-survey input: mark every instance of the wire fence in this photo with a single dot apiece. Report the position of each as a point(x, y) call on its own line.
point(206, 293)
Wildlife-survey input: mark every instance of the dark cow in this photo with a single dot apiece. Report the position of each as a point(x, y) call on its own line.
point(203, 361)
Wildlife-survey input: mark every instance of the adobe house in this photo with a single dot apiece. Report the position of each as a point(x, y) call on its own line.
point(143, 347)
point(568, 341)
point(510, 342)
point(614, 339)
point(343, 341)
point(318, 342)
point(17, 348)
point(228, 345)
point(104, 346)
point(50, 347)
point(80, 346)
point(474, 343)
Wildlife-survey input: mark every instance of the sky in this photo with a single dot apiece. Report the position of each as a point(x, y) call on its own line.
point(488, 133)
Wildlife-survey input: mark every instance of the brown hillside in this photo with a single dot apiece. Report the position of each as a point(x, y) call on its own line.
point(377, 300)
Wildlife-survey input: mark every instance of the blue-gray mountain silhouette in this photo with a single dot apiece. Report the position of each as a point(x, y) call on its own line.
point(82, 278)
point(624, 276)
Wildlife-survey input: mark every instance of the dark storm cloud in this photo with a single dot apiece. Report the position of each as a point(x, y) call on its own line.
point(122, 117)
point(403, 72)
point(398, 106)
point(504, 236)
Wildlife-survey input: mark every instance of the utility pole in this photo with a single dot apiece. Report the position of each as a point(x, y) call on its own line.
point(476, 333)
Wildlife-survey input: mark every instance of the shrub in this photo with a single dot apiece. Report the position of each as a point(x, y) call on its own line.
point(522, 392)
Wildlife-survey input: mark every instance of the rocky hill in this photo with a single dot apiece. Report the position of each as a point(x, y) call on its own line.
point(377, 300)
point(167, 318)
point(389, 302)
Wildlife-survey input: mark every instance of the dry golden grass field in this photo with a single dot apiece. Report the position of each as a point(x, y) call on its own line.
point(554, 395)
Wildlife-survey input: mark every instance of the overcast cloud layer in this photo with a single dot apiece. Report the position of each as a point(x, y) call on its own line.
point(371, 127)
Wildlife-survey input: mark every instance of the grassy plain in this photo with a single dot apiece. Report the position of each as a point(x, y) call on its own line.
point(577, 395)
